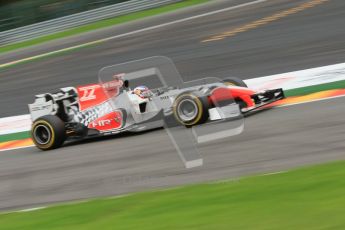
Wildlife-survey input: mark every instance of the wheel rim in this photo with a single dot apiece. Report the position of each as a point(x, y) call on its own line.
point(42, 134)
point(187, 110)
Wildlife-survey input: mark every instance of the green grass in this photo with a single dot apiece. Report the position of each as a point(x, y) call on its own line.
point(101, 24)
point(14, 136)
point(315, 88)
point(307, 198)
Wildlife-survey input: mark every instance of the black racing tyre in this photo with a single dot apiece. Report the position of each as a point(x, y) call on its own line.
point(235, 81)
point(191, 108)
point(48, 132)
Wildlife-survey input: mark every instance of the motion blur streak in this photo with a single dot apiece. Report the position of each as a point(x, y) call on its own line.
point(16, 144)
point(276, 140)
point(266, 20)
point(127, 34)
point(328, 94)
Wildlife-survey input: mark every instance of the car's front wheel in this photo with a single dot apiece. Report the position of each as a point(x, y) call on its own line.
point(235, 82)
point(191, 109)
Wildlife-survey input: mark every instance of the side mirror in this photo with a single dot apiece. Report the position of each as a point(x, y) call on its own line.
point(126, 84)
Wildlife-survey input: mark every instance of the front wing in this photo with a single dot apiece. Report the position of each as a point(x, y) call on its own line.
point(262, 99)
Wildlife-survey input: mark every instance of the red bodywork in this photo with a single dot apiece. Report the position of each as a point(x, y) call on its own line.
point(93, 95)
point(224, 94)
point(109, 121)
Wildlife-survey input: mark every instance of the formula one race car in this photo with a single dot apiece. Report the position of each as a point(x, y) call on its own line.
point(112, 106)
point(76, 113)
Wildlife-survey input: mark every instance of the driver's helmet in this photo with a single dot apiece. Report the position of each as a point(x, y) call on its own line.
point(141, 91)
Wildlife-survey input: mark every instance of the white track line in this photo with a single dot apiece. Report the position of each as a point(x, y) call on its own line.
point(15, 124)
point(133, 32)
point(273, 173)
point(31, 209)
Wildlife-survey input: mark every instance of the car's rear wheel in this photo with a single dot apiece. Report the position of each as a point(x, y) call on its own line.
point(48, 132)
point(191, 109)
point(235, 82)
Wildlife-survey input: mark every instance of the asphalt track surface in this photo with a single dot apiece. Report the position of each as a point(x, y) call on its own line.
point(274, 140)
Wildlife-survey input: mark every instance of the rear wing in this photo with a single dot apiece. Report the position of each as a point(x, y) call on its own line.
point(54, 103)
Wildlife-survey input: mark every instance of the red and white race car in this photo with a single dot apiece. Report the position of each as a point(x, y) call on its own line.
point(112, 106)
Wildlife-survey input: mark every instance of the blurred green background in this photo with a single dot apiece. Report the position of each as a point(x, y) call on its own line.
point(16, 13)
